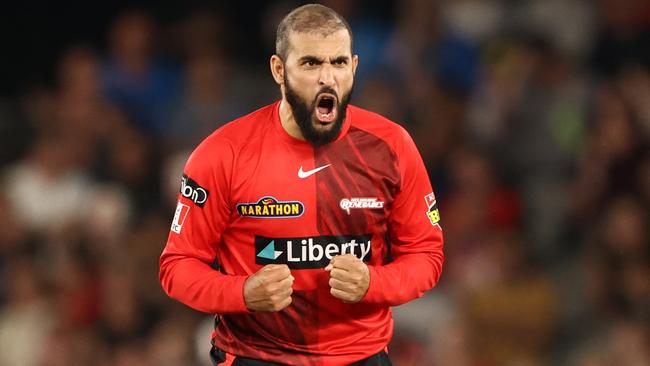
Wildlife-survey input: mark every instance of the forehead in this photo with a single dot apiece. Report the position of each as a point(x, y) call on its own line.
point(316, 44)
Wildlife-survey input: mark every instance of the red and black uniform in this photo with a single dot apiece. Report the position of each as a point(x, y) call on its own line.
point(252, 195)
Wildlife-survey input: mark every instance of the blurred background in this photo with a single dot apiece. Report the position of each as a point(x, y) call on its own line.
point(533, 117)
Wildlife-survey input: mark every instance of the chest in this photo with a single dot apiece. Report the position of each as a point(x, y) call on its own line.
point(346, 187)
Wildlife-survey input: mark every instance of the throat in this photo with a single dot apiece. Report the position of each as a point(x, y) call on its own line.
point(288, 121)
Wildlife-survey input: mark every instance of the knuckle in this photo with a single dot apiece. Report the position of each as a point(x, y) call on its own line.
point(261, 280)
point(281, 305)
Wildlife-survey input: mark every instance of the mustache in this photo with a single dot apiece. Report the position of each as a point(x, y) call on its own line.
point(327, 90)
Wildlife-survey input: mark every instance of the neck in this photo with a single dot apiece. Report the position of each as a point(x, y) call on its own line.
point(288, 121)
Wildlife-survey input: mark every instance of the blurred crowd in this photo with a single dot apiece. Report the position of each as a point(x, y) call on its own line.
point(533, 118)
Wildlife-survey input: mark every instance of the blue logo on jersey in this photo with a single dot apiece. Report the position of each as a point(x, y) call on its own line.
point(269, 252)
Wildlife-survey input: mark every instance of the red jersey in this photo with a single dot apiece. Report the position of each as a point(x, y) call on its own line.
point(252, 195)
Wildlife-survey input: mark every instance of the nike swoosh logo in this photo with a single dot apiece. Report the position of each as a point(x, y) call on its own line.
point(305, 174)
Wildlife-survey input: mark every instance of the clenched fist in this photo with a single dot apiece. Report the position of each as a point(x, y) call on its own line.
point(269, 289)
point(349, 278)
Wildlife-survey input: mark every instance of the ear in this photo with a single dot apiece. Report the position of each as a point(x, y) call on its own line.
point(277, 69)
point(355, 63)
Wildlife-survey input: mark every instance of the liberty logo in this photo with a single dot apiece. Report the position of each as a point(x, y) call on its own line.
point(310, 252)
point(269, 251)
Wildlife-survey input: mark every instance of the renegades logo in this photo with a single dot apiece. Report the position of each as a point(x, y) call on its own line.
point(270, 207)
point(365, 202)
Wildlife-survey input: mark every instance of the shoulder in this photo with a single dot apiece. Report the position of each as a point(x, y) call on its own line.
point(234, 134)
point(242, 130)
point(394, 134)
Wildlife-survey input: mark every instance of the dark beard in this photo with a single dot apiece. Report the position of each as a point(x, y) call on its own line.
point(304, 115)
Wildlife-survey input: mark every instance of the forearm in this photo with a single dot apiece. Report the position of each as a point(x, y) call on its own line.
point(408, 277)
point(199, 286)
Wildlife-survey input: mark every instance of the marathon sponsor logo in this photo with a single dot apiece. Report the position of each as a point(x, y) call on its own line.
point(310, 252)
point(179, 217)
point(270, 207)
point(193, 191)
point(432, 209)
point(366, 202)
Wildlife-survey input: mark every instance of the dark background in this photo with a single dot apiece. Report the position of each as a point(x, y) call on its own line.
point(532, 117)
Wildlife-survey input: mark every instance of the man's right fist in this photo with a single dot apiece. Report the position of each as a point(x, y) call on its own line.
point(269, 289)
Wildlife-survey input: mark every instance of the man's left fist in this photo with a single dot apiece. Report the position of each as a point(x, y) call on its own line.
point(349, 278)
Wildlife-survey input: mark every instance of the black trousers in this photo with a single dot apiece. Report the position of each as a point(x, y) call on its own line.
point(218, 356)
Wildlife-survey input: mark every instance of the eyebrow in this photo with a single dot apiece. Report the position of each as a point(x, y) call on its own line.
point(314, 59)
point(340, 59)
point(319, 60)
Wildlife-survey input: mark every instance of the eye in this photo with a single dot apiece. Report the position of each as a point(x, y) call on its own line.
point(340, 62)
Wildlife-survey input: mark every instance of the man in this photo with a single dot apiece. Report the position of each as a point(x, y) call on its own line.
point(302, 223)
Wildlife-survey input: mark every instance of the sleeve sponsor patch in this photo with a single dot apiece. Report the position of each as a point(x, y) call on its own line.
point(193, 191)
point(432, 209)
point(179, 217)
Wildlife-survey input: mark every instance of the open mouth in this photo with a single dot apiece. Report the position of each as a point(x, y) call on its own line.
point(326, 108)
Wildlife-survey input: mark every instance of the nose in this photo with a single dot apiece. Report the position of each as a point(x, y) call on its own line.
point(326, 77)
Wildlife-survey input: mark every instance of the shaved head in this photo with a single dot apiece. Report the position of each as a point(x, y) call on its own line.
point(311, 18)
